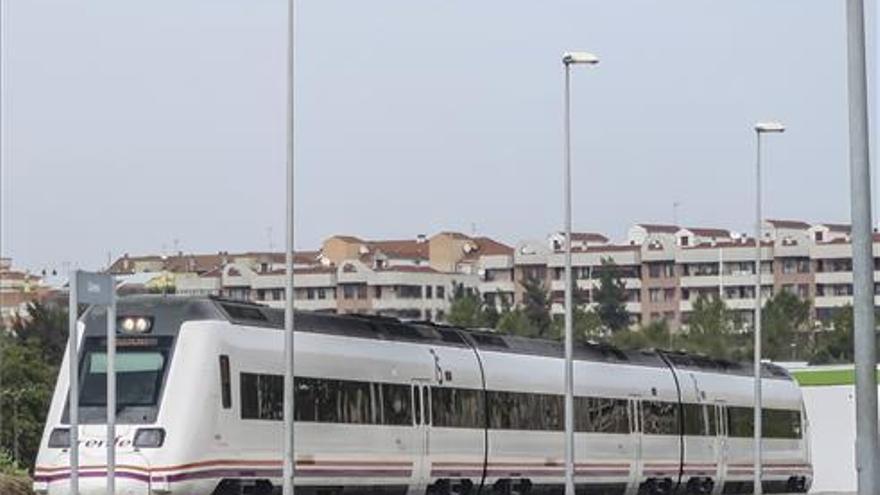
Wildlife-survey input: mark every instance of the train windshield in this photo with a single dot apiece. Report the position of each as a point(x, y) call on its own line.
point(138, 377)
point(141, 370)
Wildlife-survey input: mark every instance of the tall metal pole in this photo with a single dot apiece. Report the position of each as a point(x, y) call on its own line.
point(111, 394)
point(289, 389)
point(862, 247)
point(73, 372)
point(569, 368)
point(757, 354)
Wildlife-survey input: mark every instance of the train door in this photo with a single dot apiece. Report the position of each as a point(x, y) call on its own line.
point(421, 398)
point(718, 425)
point(635, 428)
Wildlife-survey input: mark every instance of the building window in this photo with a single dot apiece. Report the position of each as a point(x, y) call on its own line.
point(409, 291)
point(361, 291)
point(322, 293)
point(428, 292)
point(684, 240)
point(310, 293)
point(377, 292)
point(348, 292)
point(441, 292)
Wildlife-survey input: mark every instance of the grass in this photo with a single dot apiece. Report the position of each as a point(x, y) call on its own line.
point(825, 378)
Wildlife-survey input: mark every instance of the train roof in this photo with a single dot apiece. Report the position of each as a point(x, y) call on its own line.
point(170, 311)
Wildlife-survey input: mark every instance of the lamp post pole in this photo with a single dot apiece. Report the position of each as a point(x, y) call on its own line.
point(760, 129)
point(289, 389)
point(73, 374)
point(568, 59)
point(862, 253)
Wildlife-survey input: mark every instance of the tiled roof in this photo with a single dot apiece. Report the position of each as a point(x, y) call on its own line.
point(588, 237)
point(409, 249)
point(709, 232)
point(837, 227)
point(490, 247)
point(655, 228)
point(789, 224)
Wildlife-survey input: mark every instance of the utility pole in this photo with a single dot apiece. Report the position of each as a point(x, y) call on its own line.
point(289, 464)
point(862, 252)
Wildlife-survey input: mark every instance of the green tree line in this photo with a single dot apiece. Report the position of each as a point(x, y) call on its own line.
point(712, 329)
point(31, 350)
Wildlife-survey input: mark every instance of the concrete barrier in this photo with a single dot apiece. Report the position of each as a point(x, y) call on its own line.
point(831, 412)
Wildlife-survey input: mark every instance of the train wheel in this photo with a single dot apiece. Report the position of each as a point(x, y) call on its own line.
point(502, 487)
point(440, 487)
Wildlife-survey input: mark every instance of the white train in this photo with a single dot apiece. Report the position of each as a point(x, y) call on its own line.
point(385, 407)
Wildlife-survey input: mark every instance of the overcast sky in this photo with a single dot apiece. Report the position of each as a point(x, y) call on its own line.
point(133, 126)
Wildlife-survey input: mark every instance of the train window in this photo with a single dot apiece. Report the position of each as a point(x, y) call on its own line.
point(457, 407)
point(694, 419)
point(225, 385)
point(600, 415)
point(396, 404)
point(522, 411)
point(780, 423)
point(417, 405)
point(244, 313)
point(138, 376)
point(660, 418)
point(333, 401)
point(262, 396)
point(450, 336)
point(713, 422)
point(740, 422)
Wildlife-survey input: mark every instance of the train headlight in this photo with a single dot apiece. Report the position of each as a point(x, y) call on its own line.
point(59, 438)
point(149, 438)
point(135, 324)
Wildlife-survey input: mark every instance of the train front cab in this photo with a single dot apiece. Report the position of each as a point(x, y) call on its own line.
point(151, 433)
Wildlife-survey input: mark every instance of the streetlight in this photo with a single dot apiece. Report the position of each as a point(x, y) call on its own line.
point(761, 128)
point(569, 59)
point(289, 465)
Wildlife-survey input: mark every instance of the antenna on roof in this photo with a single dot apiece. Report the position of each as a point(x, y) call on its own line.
point(473, 228)
point(675, 205)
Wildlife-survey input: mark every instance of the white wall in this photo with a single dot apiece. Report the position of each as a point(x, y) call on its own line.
point(831, 411)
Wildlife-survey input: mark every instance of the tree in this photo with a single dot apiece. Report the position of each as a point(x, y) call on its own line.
point(30, 355)
point(467, 309)
point(710, 329)
point(536, 308)
point(611, 297)
point(44, 327)
point(654, 335)
point(784, 318)
point(514, 322)
point(836, 345)
point(586, 324)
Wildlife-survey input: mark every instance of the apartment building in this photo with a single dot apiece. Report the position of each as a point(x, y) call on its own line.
point(406, 278)
point(17, 289)
point(665, 268)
